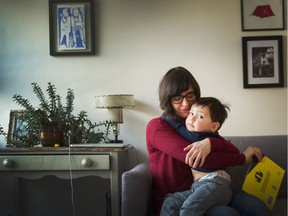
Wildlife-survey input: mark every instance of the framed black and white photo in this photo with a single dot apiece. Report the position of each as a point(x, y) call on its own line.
point(71, 27)
point(262, 61)
point(262, 15)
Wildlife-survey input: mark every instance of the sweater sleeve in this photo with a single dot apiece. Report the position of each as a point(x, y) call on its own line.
point(223, 154)
point(220, 144)
point(160, 136)
point(220, 160)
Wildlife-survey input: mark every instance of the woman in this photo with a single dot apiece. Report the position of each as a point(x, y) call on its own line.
point(170, 154)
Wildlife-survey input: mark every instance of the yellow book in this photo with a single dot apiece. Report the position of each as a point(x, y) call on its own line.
point(264, 181)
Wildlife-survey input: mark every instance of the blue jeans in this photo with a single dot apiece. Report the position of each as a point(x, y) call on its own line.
point(242, 204)
point(248, 205)
point(196, 201)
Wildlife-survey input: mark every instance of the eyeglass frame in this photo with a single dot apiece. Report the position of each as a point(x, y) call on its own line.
point(182, 98)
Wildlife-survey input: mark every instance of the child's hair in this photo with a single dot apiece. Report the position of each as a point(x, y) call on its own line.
point(218, 111)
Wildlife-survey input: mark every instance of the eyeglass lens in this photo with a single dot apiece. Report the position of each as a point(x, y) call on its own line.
point(179, 98)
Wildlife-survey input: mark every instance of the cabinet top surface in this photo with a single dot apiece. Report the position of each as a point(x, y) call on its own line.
point(61, 150)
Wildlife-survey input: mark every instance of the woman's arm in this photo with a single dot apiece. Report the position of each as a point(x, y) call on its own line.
point(160, 136)
point(220, 160)
point(224, 159)
point(220, 144)
point(213, 160)
point(198, 151)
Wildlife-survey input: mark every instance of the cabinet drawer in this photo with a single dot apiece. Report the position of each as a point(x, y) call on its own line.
point(54, 162)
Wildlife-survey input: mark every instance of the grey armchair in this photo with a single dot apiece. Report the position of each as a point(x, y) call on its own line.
point(136, 191)
point(136, 183)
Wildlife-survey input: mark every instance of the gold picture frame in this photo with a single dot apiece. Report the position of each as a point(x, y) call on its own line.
point(16, 128)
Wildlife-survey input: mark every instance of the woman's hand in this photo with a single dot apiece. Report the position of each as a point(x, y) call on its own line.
point(197, 153)
point(250, 151)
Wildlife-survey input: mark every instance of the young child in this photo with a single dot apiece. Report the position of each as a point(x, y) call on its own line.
point(211, 186)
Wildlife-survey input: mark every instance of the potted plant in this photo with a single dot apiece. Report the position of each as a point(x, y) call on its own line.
point(52, 122)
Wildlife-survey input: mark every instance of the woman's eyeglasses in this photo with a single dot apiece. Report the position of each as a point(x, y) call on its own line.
point(177, 99)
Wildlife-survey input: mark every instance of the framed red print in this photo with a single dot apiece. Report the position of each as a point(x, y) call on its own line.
point(262, 15)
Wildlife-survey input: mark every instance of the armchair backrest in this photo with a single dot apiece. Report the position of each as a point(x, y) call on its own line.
point(136, 191)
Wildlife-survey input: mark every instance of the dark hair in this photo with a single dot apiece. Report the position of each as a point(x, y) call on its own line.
point(175, 81)
point(218, 111)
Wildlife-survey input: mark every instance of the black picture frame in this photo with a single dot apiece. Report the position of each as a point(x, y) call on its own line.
point(262, 61)
point(258, 15)
point(71, 24)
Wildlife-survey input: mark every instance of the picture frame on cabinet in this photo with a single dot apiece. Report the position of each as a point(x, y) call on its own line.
point(71, 27)
point(16, 127)
point(262, 61)
point(260, 15)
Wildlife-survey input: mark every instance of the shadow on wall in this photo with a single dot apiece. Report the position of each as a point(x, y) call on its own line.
point(146, 108)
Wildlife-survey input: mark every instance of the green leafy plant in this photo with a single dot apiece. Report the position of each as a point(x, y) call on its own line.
point(51, 112)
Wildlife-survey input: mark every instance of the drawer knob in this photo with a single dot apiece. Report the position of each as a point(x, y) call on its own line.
point(7, 163)
point(86, 162)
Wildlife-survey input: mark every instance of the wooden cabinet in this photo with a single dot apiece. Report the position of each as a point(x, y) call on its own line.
point(64, 163)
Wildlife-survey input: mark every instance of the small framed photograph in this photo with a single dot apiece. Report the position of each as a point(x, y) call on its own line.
point(17, 127)
point(71, 27)
point(262, 61)
point(262, 15)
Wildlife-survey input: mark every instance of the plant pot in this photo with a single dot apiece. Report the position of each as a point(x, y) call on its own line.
point(51, 136)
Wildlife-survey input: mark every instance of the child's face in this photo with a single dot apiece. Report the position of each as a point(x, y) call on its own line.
point(199, 120)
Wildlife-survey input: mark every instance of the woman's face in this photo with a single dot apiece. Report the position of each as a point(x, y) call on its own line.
point(182, 108)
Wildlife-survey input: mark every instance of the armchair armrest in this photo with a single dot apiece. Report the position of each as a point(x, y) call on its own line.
point(136, 191)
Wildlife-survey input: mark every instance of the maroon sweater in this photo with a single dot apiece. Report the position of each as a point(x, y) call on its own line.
point(167, 160)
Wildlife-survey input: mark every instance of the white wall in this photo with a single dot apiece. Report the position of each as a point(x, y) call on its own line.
point(137, 42)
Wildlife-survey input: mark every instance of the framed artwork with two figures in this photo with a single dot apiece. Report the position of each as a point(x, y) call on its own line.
point(71, 27)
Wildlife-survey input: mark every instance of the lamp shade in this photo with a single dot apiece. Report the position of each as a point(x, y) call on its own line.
point(115, 101)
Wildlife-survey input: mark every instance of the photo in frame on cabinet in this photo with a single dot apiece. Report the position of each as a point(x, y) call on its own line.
point(17, 127)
